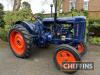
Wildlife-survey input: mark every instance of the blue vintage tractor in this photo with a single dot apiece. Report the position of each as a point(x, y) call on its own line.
point(66, 32)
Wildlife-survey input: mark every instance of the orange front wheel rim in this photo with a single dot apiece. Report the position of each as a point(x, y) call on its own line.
point(80, 48)
point(65, 56)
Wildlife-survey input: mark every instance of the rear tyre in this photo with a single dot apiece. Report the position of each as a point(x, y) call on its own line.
point(20, 41)
point(66, 54)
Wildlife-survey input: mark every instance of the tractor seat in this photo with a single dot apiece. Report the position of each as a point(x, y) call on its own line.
point(63, 20)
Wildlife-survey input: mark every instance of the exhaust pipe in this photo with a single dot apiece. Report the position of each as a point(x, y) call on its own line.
point(55, 14)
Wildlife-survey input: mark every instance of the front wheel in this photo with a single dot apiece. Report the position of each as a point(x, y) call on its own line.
point(66, 54)
point(82, 48)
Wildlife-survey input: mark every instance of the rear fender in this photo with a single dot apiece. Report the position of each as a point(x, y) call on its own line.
point(28, 25)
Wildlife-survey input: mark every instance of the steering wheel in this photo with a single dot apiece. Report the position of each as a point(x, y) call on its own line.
point(38, 18)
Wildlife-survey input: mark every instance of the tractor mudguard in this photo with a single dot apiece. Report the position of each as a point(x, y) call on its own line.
point(31, 27)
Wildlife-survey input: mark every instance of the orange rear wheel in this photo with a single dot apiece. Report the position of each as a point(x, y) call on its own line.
point(17, 42)
point(20, 41)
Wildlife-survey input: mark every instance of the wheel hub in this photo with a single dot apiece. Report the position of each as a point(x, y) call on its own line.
point(19, 41)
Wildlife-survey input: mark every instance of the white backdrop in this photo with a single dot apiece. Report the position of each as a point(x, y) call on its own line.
point(8, 4)
point(37, 6)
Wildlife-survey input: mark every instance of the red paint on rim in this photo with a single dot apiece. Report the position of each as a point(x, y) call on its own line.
point(65, 56)
point(17, 42)
point(80, 48)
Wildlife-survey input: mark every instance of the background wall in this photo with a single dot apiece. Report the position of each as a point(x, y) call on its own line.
point(94, 9)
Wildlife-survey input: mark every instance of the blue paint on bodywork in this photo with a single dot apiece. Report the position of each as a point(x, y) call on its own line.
point(45, 34)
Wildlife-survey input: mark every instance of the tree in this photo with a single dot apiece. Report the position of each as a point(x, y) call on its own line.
point(59, 3)
point(1, 16)
point(26, 5)
point(17, 4)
